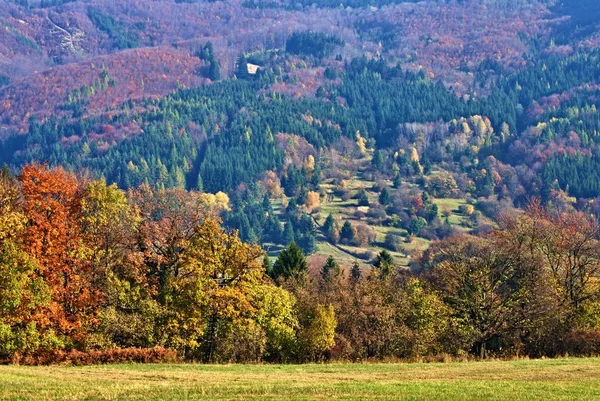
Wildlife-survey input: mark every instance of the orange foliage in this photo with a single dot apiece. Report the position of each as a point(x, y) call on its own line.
point(53, 237)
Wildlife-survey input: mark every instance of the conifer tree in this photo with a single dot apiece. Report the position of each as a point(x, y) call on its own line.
point(291, 263)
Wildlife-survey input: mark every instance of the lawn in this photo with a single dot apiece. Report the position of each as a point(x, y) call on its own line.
point(547, 380)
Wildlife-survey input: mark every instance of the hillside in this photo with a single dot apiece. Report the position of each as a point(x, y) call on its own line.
point(460, 110)
point(293, 182)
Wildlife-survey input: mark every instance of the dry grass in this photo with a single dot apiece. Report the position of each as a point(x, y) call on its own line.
point(547, 380)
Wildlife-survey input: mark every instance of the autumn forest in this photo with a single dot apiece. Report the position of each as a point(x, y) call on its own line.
point(189, 180)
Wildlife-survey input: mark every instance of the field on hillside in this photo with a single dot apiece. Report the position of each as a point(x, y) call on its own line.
point(563, 379)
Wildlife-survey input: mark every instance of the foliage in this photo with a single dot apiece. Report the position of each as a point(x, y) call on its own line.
point(290, 263)
point(316, 44)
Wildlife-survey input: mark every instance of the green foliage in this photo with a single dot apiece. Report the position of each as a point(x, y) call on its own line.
point(119, 33)
point(315, 44)
point(355, 272)
point(385, 197)
point(363, 199)
point(319, 337)
point(330, 269)
point(277, 318)
point(384, 263)
point(291, 263)
point(22, 296)
point(347, 232)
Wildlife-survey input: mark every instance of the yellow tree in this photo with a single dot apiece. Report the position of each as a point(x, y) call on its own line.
point(211, 291)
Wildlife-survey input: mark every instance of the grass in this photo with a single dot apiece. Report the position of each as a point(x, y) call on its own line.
point(544, 380)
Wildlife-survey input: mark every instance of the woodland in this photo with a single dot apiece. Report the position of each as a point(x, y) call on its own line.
point(195, 180)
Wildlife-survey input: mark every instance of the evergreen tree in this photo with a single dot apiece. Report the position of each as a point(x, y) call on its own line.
point(288, 235)
point(347, 231)
point(330, 269)
point(267, 264)
point(384, 263)
point(214, 70)
point(377, 161)
point(329, 223)
point(397, 181)
point(291, 263)
point(355, 273)
point(242, 68)
point(363, 199)
point(385, 197)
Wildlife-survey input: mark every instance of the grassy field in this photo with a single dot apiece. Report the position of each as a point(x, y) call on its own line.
point(547, 380)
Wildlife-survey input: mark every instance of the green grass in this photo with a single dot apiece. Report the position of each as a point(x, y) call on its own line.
point(544, 380)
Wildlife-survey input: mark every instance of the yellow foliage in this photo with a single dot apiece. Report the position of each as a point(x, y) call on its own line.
point(313, 201)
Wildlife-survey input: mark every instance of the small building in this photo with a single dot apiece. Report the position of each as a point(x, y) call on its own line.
point(252, 68)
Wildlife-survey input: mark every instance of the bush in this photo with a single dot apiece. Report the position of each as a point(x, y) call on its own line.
point(393, 242)
point(581, 342)
point(94, 357)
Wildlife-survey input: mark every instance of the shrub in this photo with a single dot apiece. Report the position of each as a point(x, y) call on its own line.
point(93, 357)
point(393, 242)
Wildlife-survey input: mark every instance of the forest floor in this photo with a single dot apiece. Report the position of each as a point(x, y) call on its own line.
point(545, 380)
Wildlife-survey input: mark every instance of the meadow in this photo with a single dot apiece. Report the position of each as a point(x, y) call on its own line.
point(547, 380)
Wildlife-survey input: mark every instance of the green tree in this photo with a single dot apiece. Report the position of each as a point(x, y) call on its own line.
point(385, 197)
point(384, 263)
point(330, 270)
point(291, 263)
point(347, 232)
point(355, 272)
point(319, 336)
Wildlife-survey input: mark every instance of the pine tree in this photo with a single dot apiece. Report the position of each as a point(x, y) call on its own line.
point(288, 233)
point(355, 273)
point(385, 197)
point(397, 181)
point(291, 263)
point(347, 232)
point(363, 199)
point(267, 264)
point(214, 70)
point(377, 161)
point(330, 269)
point(384, 263)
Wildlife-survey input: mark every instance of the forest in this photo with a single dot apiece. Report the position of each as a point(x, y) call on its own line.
point(92, 273)
point(192, 180)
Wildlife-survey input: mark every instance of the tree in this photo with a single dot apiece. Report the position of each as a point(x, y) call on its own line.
point(291, 263)
point(363, 199)
point(392, 242)
point(567, 245)
point(53, 237)
point(214, 70)
point(377, 161)
point(330, 270)
point(384, 263)
point(319, 336)
point(288, 235)
point(331, 229)
point(385, 197)
point(168, 222)
point(415, 225)
point(355, 272)
point(313, 201)
point(210, 290)
point(24, 295)
point(347, 232)
point(267, 264)
point(397, 181)
point(487, 290)
point(242, 67)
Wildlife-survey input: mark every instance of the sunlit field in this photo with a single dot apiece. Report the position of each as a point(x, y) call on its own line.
point(562, 379)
